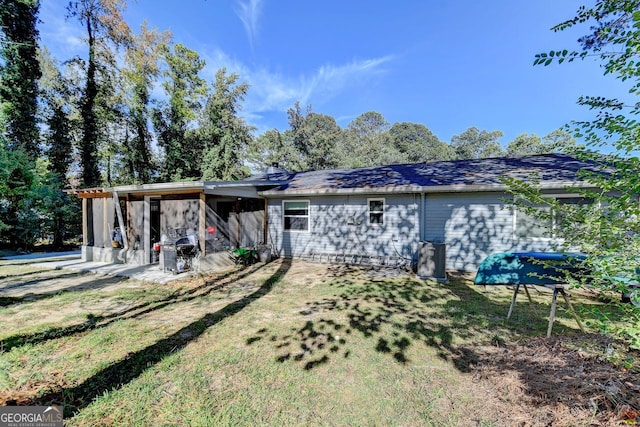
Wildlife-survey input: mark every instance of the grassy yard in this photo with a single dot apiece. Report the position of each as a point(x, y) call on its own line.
point(277, 344)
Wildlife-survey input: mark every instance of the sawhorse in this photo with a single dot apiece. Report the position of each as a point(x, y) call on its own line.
point(552, 315)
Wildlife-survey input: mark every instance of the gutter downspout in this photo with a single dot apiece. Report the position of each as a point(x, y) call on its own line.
point(422, 217)
point(265, 223)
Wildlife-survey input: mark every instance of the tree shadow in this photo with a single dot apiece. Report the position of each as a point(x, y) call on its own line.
point(98, 322)
point(31, 297)
point(18, 279)
point(134, 364)
point(396, 315)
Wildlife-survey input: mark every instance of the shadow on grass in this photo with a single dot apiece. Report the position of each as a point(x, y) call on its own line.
point(98, 322)
point(130, 368)
point(31, 296)
point(396, 314)
point(18, 279)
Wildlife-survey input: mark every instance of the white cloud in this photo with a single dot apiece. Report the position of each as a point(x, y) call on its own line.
point(275, 92)
point(64, 37)
point(249, 12)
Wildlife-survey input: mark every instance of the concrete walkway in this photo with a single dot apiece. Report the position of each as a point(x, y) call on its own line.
point(72, 261)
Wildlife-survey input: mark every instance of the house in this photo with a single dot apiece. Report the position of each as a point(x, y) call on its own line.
point(385, 212)
point(374, 214)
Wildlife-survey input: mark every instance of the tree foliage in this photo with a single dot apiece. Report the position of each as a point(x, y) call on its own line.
point(59, 212)
point(186, 91)
point(104, 24)
point(416, 143)
point(272, 147)
point(608, 228)
point(225, 136)
point(19, 74)
point(477, 144)
point(314, 137)
point(366, 142)
point(19, 135)
point(141, 72)
point(316, 141)
point(558, 141)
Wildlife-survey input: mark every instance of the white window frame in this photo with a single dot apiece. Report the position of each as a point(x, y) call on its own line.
point(369, 211)
point(284, 216)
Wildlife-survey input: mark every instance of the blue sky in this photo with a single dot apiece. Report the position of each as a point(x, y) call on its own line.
point(449, 64)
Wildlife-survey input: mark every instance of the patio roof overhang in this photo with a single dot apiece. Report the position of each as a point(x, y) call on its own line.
point(247, 188)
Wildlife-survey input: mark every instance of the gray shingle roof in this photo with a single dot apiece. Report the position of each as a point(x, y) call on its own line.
point(458, 175)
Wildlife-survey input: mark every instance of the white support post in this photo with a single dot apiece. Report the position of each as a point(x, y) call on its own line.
point(123, 229)
point(202, 223)
point(146, 239)
point(106, 227)
point(85, 219)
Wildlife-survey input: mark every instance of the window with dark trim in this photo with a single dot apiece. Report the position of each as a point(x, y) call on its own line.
point(529, 225)
point(296, 215)
point(376, 211)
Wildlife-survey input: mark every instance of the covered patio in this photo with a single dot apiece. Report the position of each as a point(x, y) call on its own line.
point(130, 224)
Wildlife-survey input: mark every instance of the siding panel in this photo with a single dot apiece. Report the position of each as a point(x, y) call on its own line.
point(473, 226)
point(339, 226)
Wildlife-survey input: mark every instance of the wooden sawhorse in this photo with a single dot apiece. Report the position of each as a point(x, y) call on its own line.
point(552, 315)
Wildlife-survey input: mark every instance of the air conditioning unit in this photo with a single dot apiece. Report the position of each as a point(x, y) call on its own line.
point(432, 261)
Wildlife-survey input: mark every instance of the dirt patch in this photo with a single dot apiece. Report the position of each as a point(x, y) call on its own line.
point(561, 381)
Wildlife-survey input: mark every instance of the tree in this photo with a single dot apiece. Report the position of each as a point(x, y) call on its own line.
point(525, 145)
point(477, 144)
point(608, 229)
point(417, 144)
point(55, 105)
point(19, 135)
point(103, 22)
point(554, 142)
point(272, 147)
point(560, 141)
point(142, 59)
point(19, 180)
point(58, 210)
point(225, 135)
point(321, 133)
point(314, 138)
point(367, 143)
point(186, 91)
point(19, 74)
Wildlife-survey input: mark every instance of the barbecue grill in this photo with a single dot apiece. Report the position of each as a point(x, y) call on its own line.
point(178, 253)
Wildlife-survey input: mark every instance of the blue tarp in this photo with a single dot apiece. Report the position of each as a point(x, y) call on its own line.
point(528, 268)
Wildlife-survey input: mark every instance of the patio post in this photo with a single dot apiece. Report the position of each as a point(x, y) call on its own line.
point(202, 223)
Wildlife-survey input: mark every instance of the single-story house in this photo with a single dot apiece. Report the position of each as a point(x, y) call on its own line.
point(375, 214)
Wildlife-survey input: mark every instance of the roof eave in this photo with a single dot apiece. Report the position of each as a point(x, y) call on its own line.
point(455, 188)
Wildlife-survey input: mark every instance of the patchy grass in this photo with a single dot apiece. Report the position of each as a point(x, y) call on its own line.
point(289, 344)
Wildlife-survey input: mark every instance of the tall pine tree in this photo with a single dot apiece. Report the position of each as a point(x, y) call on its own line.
point(19, 74)
point(142, 70)
point(103, 22)
point(186, 91)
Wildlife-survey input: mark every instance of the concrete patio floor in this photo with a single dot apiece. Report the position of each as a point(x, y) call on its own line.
point(72, 261)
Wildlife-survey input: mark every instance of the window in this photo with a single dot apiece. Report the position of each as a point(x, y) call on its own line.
point(376, 211)
point(529, 225)
point(544, 225)
point(296, 215)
